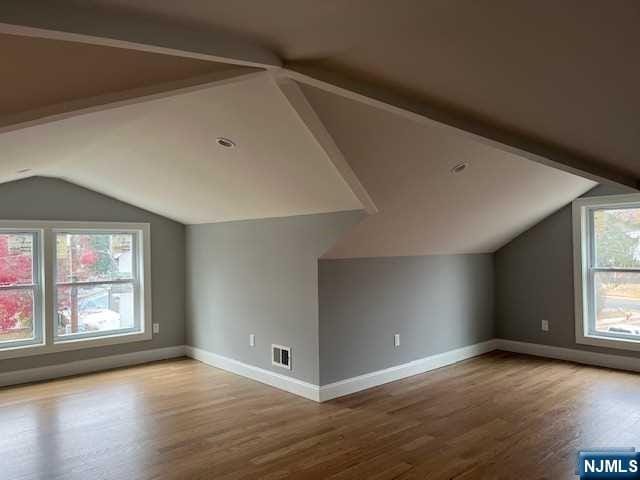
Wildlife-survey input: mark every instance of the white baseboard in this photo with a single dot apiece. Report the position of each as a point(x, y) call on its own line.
point(311, 391)
point(91, 365)
point(572, 355)
point(283, 382)
point(380, 377)
point(343, 387)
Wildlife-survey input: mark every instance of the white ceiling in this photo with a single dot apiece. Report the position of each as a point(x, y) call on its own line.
point(162, 155)
point(562, 73)
point(423, 208)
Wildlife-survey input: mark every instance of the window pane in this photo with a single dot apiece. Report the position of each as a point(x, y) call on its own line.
point(617, 237)
point(93, 257)
point(94, 309)
point(16, 259)
point(617, 304)
point(16, 315)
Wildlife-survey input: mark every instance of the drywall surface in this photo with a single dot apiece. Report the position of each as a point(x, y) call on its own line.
point(260, 277)
point(436, 303)
point(534, 281)
point(41, 198)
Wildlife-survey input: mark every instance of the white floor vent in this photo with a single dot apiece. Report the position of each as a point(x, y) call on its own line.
point(281, 356)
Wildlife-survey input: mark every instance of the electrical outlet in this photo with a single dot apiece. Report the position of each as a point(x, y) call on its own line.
point(396, 340)
point(544, 325)
point(252, 340)
point(156, 328)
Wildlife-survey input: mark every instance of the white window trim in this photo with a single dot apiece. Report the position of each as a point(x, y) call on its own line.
point(581, 253)
point(47, 231)
point(37, 286)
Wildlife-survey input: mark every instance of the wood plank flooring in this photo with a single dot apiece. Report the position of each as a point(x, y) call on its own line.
point(499, 416)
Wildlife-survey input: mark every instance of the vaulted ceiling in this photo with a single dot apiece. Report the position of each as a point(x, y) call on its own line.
point(564, 74)
point(38, 73)
point(376, 102)
point(424, 208)
point(41, 77)
point(162, 155)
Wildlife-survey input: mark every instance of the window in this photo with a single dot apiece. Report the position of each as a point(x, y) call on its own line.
point(96, 277)
point(96, 284)
point(20, 289)
point(607, 268)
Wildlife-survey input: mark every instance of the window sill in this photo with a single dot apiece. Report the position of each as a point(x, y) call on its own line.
point(608, 342)
point(22, 351)
point(78, 344)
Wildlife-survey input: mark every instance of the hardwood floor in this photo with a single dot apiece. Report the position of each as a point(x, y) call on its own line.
point(497, 416)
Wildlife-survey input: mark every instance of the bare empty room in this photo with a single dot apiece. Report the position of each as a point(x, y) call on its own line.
point(344, 239)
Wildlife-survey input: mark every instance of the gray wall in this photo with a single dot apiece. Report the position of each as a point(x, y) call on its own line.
point(260, 276)
point(40, 198)
point(339, 316)
point(435, 303)
point(534, 281)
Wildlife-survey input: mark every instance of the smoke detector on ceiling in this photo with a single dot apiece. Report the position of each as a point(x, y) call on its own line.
point(225, 142)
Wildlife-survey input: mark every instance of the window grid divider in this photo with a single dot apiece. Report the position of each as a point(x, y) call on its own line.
point(45, 286)
point(586, 270)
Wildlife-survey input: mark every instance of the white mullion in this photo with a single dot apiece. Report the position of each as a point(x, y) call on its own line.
point(95, 283)
point(49, 272)
point(615, 270)
point(31, 286)
point(135, 265)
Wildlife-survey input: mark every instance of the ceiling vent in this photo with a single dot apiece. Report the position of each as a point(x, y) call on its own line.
point(281, 356)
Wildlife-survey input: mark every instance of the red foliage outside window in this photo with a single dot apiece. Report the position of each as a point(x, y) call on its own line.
point(15, 269)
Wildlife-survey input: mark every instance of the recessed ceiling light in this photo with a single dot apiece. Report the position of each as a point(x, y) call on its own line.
point(24, 170)
point(225, 142)
point(459, 168)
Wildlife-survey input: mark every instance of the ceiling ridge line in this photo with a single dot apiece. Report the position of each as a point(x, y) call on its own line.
point(109, 101)
point(316, 128)
point(64, 22)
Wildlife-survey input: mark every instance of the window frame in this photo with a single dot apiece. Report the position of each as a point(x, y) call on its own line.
point(584, 268)
point(47, 231)
point(36, 286)
point(134, 282)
